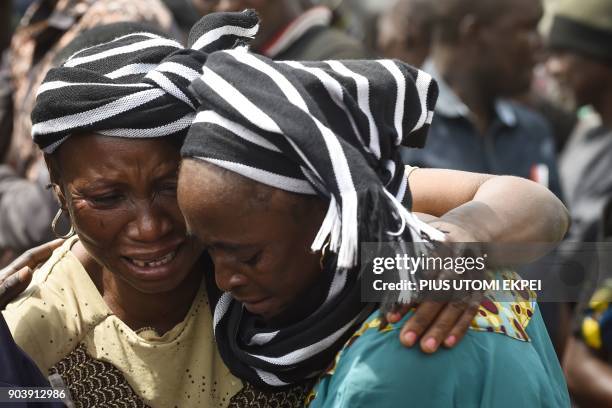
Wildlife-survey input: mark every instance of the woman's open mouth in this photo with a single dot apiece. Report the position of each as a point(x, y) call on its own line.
point(154, 266)
point(155, 262)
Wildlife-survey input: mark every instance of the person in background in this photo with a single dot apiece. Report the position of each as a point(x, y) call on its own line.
point(184, 13)
point(21, 6)
point(291, 30)
point(6, 14)
point(26, 206)
point(16, 368)
point(6, 88)
point(359, 18)
point(482, 54)
point(404, 31)
point(581, 59)
point(588, 358)
point(546, 96)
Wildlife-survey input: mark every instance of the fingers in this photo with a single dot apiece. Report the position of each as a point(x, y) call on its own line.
point(423, 318)
point(18, 275)
point(440, 330)
point(461, 326)
point(31, 258)
point(396, 315)
point(12, 286)
point(438, 324)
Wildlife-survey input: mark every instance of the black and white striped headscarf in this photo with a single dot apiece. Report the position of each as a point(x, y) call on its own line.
point(329, 128)
point(134, 86)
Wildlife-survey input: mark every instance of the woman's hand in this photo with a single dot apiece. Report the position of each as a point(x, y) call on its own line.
point(18, 274)
point(439, 323)
point(483, 209)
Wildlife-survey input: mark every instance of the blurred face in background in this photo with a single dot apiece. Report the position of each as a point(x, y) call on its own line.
point(215, 6)
point(509, 47)
point(583, 77)
point(404, 31)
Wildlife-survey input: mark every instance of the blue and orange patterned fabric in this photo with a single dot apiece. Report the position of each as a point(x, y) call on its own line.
point(505, 360)
point(497, 315)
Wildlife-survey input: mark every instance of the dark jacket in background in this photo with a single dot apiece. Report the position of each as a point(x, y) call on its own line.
point(519, 141)
point(18, 370)
point(586, 169)
point(321, 43)
point(317, 42)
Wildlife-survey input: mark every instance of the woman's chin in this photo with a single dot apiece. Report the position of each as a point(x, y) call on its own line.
point(264, 308)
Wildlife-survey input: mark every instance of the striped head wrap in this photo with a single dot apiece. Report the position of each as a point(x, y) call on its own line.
point(134, 86)
point(330, 128)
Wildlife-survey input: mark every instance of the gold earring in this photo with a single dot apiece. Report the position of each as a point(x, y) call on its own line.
point(54, 226)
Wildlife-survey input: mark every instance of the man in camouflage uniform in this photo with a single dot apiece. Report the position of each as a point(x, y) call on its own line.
point(26, 206)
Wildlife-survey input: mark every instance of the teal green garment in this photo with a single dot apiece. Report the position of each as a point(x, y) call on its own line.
point(489, 370)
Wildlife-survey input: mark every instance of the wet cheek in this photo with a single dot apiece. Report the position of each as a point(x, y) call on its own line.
point(268, 277)
point(96, 227)
point(288, 281)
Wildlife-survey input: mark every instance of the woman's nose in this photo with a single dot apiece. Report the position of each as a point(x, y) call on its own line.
point(150, 224)
point(228, 278)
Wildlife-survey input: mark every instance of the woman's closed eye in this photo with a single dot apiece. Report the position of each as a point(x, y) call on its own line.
point(106, 199)
point(251, 260)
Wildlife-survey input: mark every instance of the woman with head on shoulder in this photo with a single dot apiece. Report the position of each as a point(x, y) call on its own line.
point(119, 311)
point(286, 170)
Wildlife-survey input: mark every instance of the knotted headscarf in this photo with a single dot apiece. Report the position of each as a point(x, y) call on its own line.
point(330, 128)
point(134, 86)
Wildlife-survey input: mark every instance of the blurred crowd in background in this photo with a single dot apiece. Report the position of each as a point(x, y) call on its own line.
point(525, 90)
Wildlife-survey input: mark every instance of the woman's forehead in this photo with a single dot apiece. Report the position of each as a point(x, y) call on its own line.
point(93, 144)
point(109, 156)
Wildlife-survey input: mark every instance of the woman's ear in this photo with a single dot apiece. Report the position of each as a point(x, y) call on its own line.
point(55, 175)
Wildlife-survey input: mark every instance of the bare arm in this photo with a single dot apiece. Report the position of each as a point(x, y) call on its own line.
point(589, 379)
point(493, 208)
point(475, 207)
